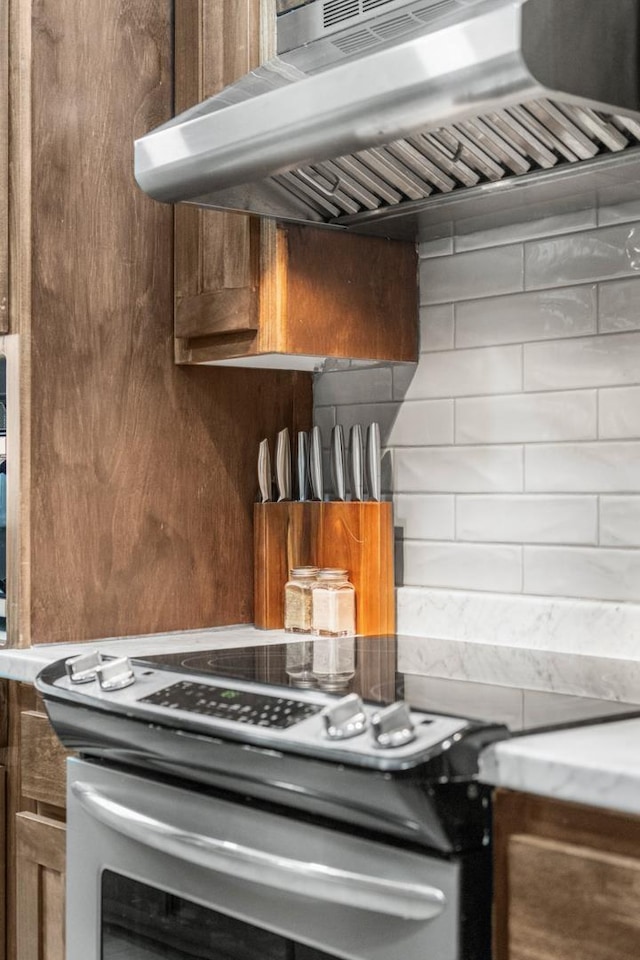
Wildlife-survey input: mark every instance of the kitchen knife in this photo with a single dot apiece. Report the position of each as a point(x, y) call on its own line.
point(283, 465)
point(356, 466)
point(338, 465)
point(373, 461)
point(264, 471)
point(302, 465)
point(315, 465)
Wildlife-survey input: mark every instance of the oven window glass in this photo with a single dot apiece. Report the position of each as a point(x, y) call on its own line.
point(140, 922)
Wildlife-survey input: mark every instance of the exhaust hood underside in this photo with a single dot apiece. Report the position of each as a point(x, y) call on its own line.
point(515, 92)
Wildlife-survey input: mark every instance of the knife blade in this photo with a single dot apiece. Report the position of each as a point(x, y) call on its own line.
point(283, 465)
point(356, 467)
point(315, 465)
point(302, 465)
point(338, 471)
point(264, 471)
point(373, 461)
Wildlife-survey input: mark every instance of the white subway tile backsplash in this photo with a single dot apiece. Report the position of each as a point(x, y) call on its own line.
point(527, 418)
point(422, 423)
point(527, 519)
point(459, 373)
point(439, 247)
point(612, 360)
point(465, 276)
point(619, 303)
point(436, 327)
point(424, 517)
point(620, 521)
point(615, 208)
point(325, 418)
point(522, 317)
point(512, 448)
point(590, 572)
point(353, 386)
point(463, 566)
point(619, 413)
point(403, 374)
point(581, 257)
point(364, 414)
point(607, 467)
point(500, 234)
point(458, 470)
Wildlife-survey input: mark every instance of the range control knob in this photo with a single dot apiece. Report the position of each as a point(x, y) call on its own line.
point(344, 719)
point(115, 674)
point(393, 726)
point(82, 669)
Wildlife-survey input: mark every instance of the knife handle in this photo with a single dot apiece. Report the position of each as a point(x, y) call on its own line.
point(356, 466)
point(315, 464)
point(302, 465)
point(373, 461)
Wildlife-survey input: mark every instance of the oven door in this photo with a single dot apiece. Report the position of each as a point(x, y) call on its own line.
point(158, 871)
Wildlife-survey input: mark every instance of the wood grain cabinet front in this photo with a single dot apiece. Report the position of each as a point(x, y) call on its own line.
point(40, 882)
point(4, 167)
point(256, 293)
point(567, 881)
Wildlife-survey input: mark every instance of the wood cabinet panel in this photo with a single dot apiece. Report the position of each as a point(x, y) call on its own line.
point(42, 760)
point(568, 901)
point(3, 859)
point(217, 255)
point(4, 167)
point(40, 879)
point(140, 519)
point(573, 867)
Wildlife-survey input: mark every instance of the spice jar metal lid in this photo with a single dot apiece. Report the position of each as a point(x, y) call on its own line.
point(300, 573)
point(333, 573)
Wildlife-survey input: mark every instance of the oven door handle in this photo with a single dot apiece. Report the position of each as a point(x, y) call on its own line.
point(397, 898)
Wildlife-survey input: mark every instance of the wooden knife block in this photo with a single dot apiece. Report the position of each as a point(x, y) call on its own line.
point(355, 536)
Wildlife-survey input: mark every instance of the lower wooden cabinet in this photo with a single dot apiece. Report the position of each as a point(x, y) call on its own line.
point(567, 881)
point(40, 879)
point(32, 829)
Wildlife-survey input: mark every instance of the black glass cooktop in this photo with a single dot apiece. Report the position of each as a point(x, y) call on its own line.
point(369, 666)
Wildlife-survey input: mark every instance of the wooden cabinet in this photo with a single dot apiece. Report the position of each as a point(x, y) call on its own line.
point(33, 829)
point(254, 293)
point(4, 167)
point(567, 881)
point(40, 877)
point(136, 477)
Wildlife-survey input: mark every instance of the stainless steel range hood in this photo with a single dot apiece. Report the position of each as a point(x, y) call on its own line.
point(375, 111)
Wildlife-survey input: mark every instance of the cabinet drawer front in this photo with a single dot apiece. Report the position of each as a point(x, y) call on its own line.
point(568, 902)
point(42, 760)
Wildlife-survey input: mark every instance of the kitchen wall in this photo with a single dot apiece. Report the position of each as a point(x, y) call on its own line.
point(513, 448)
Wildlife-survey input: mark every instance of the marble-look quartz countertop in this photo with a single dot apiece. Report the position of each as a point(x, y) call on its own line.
point(597, 765)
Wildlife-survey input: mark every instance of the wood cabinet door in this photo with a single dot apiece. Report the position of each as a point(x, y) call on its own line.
point(569, 902)
point(217, 255)
point(566, 880)
point(3, 861)
point(40, 879)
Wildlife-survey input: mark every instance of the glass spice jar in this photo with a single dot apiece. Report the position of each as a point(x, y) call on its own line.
point(333, 611)
point(297, 599)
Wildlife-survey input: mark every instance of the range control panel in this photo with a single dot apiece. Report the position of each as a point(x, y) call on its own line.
point(238, 706)
point(309, 722)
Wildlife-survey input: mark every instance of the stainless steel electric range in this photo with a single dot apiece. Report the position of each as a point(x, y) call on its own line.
point(281, 802)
